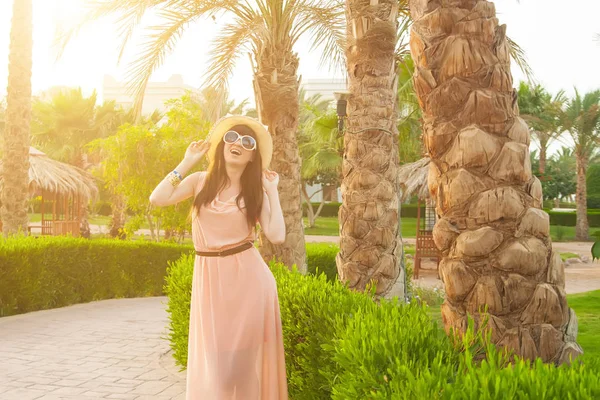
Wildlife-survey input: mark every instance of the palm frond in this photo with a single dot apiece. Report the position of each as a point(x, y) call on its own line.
point(157, 45)
point(227, 49)
point(518, 55)
point(327, 25)
point(129, 12)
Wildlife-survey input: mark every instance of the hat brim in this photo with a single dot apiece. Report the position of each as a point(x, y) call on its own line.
point(263, 137)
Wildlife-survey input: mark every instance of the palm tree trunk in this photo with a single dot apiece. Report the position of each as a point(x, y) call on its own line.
point(493, 236)
point(276, 89)
point(543, 151)
point(117, 221)
point(581, 227)
point(15, 193)
point(370, 242)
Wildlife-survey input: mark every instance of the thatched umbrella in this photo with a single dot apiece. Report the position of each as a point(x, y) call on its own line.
point(413, 179)
point(67, 187)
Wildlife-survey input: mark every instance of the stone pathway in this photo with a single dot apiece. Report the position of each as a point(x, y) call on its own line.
point(111, 349)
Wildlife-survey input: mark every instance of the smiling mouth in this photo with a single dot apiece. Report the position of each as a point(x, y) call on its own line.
point(236, 152)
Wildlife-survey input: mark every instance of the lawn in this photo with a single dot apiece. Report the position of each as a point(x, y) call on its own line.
point(587, 308)
point(328, 226)
point(94, 220)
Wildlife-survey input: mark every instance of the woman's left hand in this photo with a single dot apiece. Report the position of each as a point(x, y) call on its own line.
point(270, 180)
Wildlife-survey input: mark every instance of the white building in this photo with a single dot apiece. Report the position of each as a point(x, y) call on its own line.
point(154, 98)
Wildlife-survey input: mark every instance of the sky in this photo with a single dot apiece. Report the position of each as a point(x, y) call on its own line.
point(557, 37)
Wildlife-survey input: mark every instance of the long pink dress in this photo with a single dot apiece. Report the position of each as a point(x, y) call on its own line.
point(235, 347)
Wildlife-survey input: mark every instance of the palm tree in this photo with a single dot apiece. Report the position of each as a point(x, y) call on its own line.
point(15, 156)
point(542, 113)
point(370, 243)
point(582, 120)
point(494, 238)
point(269, 29)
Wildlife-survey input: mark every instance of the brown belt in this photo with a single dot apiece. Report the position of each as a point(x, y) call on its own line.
point(228, 252)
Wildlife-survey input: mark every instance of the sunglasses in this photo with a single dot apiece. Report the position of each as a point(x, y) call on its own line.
point(248, 142)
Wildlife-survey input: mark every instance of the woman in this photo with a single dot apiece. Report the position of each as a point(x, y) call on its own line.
point(235, 347)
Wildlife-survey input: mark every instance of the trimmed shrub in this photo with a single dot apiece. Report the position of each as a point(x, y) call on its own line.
point(320, 258)
point(570, 218)
point(50, 272)
point(342, 345)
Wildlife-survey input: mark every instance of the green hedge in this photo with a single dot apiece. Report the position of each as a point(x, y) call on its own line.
point(570, 218)
point(50, 272)
point(343, 345)
point(320, 258)
point(331, 210)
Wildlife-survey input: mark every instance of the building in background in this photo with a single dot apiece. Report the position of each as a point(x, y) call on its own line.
point(157, 93)
point(324, 87)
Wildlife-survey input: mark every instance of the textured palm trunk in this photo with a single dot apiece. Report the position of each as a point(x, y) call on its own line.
point(581, 227)
point(15, 194)
point(543, 151)
point(492, 233)
point(370, 242)
point(117, 221)
point(276, 87)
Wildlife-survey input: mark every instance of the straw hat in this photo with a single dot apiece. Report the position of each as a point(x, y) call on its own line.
point(264, 141)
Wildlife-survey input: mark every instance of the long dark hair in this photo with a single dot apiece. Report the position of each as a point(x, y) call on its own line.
point(251, 181)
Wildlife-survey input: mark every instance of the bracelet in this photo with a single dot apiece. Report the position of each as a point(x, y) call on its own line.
point(173, 179)
point(178, 175)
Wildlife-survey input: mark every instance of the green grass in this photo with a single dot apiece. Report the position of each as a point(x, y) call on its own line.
point(94, 220)
point(587, 308)
point(328, 226)
point(566, 256)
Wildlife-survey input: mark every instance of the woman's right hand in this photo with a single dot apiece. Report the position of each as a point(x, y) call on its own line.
point(196, 150)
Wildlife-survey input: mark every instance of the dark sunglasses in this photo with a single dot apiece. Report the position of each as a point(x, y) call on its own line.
point(248, 142)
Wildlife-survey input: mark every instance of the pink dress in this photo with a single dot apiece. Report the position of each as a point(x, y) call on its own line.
point(235, 347)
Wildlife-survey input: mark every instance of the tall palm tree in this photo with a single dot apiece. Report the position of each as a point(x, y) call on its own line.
point(542, 113)
point(269, 29)
point(494, 238)
point(15, 156)
point(370, 243)
point(582, 120)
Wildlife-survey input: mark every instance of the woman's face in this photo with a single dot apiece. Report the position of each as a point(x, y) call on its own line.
point(236, 153)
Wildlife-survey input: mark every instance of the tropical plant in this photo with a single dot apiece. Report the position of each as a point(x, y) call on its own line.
point(581, 119)
point(64, 121)
point(269, 29)
point(409, 112)
point(558, 181)
point(542, 113)
point(15, 156)
point(497, 259)
point(320, 149)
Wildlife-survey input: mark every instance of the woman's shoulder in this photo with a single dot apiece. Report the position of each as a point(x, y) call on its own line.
point(199, 176)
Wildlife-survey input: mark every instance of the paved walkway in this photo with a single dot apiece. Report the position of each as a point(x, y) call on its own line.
point(111, 349)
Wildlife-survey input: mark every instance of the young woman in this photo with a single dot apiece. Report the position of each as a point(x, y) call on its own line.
point(235, 347)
